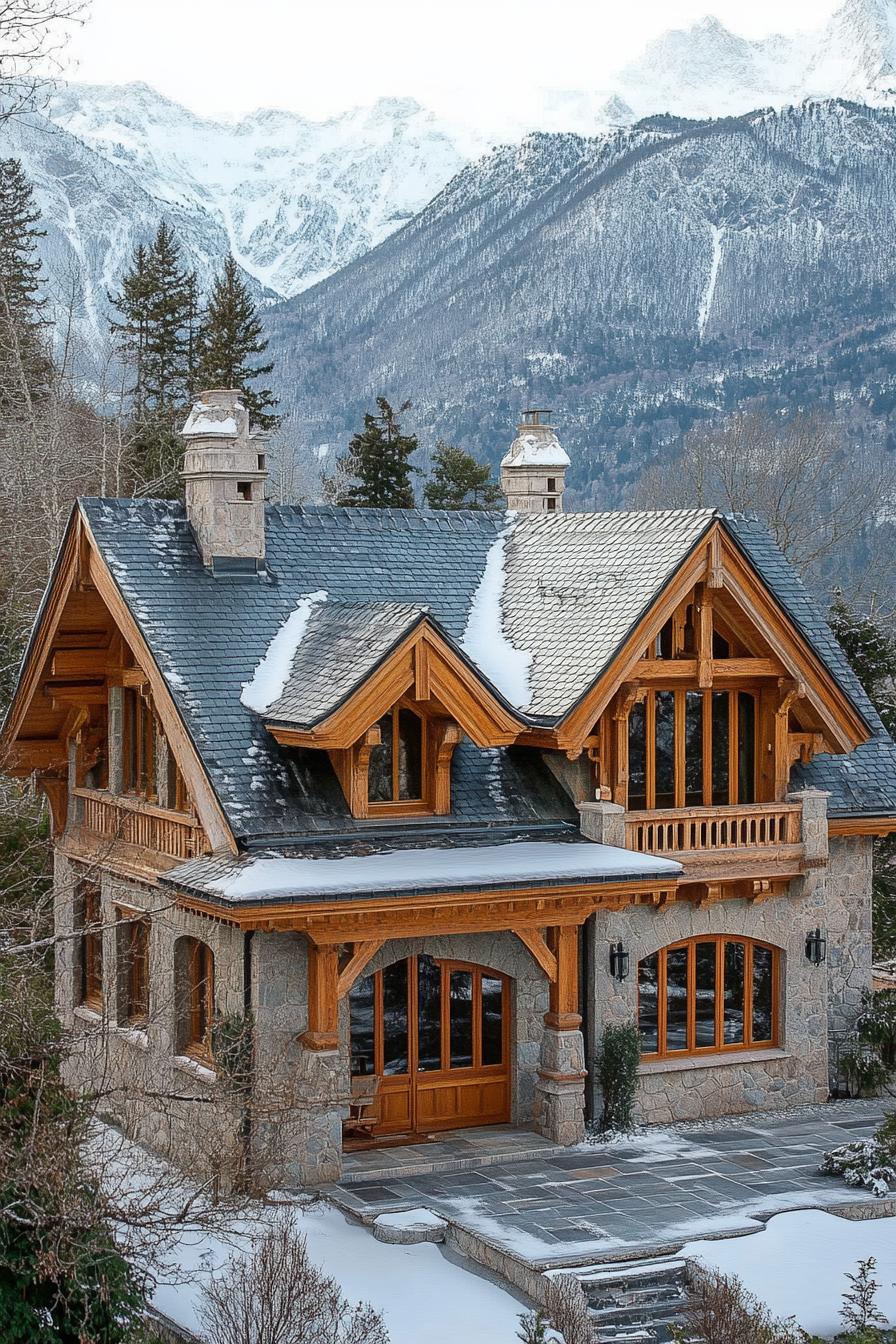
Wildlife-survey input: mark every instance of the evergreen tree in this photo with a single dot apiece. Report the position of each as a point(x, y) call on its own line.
point(229, 337)
point(871, 651)
point(458, 481)
point(157, 337)
point(24, 359)
point(378, 461)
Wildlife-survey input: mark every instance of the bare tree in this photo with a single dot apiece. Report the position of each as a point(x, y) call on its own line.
point(818, 495)
point(33, 35)
point(275, 1295)
point(722, 1311)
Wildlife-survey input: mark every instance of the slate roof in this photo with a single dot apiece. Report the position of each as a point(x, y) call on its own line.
point(574, 585)
point(343, 643)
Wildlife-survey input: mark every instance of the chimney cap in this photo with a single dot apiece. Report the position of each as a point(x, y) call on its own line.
point(536, 444)
point(217, 413)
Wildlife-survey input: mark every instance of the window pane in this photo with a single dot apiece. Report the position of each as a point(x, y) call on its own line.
point(395, 1018)
point(637, 757)
point(734, 993)
point(648, 1004)
point(763, 993)
point(746, 748)
point(138, 997)
point(410, 731)
point(665, 748)
point(461, 1018)
point(693, 749)
point(361, 1001)
point(677, 998)
point(705, 989)
point(492, 1020)
point(429, 1014)
point(719, 748)
point(379, 766)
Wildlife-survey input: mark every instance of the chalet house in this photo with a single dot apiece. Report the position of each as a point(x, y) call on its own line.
point(405, 806)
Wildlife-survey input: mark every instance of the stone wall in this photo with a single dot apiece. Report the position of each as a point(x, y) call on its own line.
point(815, 999)
point(168, 1102)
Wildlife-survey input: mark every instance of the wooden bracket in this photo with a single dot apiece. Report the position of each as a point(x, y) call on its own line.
point(533, 940)
point(362, 955)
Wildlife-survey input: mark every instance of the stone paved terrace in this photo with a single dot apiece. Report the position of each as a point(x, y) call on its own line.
point(650, 1192)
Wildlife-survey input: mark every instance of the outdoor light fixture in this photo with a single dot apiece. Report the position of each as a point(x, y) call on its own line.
point(618, 961)
point(816, 947)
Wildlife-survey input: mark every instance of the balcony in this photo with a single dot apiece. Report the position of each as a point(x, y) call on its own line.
point(758, 842)
point(141, 836)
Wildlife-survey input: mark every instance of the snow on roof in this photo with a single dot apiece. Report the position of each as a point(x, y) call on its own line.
point(484, 639)
point(537, 447)
point(272, 673)
point(276, 876)
point(208, 419)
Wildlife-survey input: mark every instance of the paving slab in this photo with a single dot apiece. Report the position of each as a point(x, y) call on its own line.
point(656, 1188)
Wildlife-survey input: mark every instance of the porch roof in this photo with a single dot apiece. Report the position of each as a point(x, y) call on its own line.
point(274, 877)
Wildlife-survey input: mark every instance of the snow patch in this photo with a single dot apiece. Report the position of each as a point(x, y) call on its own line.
point(272, 673)
point(484, 640)
point(709, 292)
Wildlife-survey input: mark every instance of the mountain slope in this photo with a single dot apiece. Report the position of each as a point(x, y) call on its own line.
point(634, 284)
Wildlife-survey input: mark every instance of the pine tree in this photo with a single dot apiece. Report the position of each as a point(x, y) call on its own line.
point(378, 461)
point(158, 304)
point(459, 481)
point(25, 365)
point(229, 337)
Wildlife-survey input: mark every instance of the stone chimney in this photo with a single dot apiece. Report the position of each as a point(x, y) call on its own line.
point(533, 471)
point(224, 474)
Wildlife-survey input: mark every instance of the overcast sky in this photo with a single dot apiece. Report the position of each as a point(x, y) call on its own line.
point(226, 57)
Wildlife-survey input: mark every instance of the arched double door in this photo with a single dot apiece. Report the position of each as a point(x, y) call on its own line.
point(437, 1035)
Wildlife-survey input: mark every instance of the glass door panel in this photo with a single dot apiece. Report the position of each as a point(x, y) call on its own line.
point(395, 1018)
point(461, 1020)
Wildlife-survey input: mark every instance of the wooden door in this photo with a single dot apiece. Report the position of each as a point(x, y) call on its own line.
point(437, 1033)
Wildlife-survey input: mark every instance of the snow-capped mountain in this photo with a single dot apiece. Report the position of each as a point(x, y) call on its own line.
point(637, 283)
point(296, 198)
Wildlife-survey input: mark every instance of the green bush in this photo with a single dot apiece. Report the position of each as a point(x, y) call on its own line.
point(617, 1074)
point(866, 1162)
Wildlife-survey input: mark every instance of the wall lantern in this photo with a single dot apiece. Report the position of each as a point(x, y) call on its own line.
point(619, 960)
point(816, 947)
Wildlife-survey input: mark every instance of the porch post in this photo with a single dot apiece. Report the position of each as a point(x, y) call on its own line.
point(323, 1001)
point(560, 1089)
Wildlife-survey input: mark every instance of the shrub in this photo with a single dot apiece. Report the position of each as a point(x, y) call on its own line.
point(877, 1024)
point(276, 1295)
point(617, 1074)
point(722, 1311)
point(867, 1162)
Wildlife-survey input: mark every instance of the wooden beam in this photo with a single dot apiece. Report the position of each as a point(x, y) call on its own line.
point(323, 998)
point(861, 825)
point(32, 753)
point(77, 663)
point(715, 571)
point(362, 954)
point(534, 941)
point(564, 994)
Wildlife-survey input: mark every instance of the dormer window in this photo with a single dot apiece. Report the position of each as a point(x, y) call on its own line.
point(395, 767)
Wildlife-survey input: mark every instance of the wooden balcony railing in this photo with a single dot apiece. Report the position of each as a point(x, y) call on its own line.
point(143, 825)
point(686, 830)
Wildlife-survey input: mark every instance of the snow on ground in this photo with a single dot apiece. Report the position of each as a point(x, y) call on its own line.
point(798, 1264)
point(272, 673)
point(422, 1294)
point(506, 667)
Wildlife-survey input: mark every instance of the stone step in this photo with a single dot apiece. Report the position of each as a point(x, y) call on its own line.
point(635, 1301)
point(396, 1167)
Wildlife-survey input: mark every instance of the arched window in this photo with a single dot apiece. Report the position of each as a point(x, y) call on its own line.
point(706, 995)
point(395, 768)
point(194, 969)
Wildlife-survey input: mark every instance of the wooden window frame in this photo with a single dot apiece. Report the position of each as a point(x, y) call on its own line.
point(199, 1002)
point(647, 698)
point(408, 807)
point(90, 988)
point(134, 966)
point(446, 967)
point(693, 1051)
point(138, 744)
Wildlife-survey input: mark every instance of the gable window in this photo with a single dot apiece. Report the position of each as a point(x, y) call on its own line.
point(133, 968)
point(708, 995)
point(138, 754)
point(194, 967)
point(692, 749)
point(395, 767)
point(89, 917)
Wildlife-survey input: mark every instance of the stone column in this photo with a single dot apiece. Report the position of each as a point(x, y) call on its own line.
point(603, 822)
point(560, 1086)
point(116, 723)
point(814, 829)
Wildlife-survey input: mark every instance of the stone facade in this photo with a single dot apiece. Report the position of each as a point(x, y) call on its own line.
point(816, 1000)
